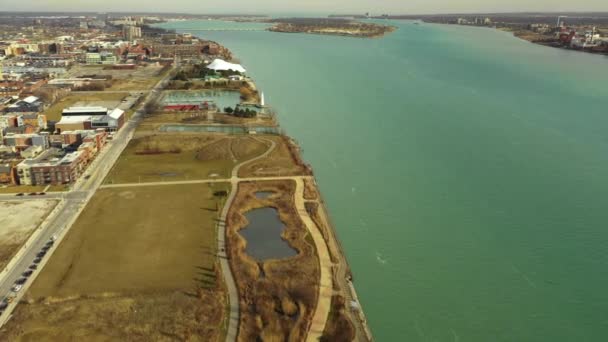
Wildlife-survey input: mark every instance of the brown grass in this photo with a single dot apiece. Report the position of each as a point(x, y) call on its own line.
point(338, 327)
point(202, 156)
point(139, 264)
point(149, 317)
point(313, 210)
point(310, 190)
point(278, 296)
point(26, 189)
point(285, 160)
point(133, 84)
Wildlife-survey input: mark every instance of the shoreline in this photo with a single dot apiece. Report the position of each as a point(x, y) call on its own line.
point(357, 316)
point(513, 33)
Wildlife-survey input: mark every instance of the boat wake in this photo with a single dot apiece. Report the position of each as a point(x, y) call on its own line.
point(380, 259)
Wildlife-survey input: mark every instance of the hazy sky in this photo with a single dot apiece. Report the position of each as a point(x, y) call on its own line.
point(309, 6)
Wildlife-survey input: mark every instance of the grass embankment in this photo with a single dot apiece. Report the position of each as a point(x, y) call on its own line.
point(310, 190)
point(178, 157)
point(26, 189)
point(58, 188)
point(338, 327)
point(284, 160)
point(278, 297)
point(53, 113)
point(139, 264)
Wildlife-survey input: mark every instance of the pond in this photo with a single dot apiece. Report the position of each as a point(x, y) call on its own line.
point(263, 235)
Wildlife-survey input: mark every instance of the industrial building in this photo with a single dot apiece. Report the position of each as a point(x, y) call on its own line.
point(30, 104)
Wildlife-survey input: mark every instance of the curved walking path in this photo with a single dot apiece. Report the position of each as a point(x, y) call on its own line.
point(233, 293)
point(323, 307)
point(319, 318)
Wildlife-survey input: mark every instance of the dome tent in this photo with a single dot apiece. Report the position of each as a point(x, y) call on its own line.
point(222, 65)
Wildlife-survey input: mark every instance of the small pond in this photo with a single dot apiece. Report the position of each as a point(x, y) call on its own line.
point(263, 235)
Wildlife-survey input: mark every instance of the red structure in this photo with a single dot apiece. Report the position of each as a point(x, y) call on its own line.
point(181, 108)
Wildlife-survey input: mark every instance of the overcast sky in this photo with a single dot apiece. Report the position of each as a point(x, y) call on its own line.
point(306, 6)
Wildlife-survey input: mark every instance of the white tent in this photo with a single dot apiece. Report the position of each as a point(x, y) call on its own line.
point(220, 65)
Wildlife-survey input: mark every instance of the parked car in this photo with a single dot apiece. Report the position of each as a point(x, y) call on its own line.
point(41, 193)
point(3, 304)
point(32, 194)
point(40, 254)
point(21, 281)
point(27, 273)
point(33, 267)
point(20, 194)
point(16, 288)
point(37, 260)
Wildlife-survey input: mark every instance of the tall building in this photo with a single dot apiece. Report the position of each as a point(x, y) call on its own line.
point(130, 32)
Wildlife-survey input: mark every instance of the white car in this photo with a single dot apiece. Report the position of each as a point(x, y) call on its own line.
point(16, 288)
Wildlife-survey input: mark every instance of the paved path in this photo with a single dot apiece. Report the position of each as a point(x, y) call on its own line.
point(233, 294)
point(326, 281)
point(319, 318)
point(362, 331)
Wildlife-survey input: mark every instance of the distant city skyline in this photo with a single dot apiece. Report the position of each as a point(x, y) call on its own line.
point(376, 7)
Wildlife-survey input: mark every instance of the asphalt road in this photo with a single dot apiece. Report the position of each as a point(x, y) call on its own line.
point(69, 208)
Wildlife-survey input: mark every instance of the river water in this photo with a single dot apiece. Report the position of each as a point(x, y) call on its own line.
point(466, 172)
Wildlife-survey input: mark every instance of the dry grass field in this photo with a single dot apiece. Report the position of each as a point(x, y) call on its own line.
point(15, 189)
point(138, 265)
point(53, 113)
point(195, 156)
point(283, 161)
point(338, 327)
point(277, 296)
point(133, 84)
point(18, 220)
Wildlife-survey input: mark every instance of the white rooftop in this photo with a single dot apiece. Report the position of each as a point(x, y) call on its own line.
point(220, 64)
point(30, 99)
point(74, 119)
point(116, 113)
point(85, 109)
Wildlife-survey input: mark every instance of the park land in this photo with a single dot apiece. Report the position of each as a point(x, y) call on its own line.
point(138, 264)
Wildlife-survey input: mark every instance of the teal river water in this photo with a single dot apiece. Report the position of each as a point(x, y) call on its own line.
point(466, 172)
